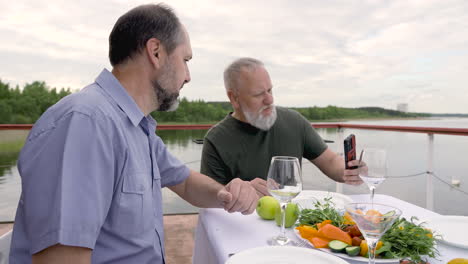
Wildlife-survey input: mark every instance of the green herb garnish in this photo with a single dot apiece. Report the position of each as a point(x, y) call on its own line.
point(409, 240)
point(323, 211)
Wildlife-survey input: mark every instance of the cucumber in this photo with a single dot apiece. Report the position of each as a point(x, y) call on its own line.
point(389, 214)
point(337, 246)
point(353, 251)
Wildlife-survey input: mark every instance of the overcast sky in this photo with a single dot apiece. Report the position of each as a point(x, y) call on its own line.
point(344, 53)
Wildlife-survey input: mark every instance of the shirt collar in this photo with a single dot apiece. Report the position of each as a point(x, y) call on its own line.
point(152, 124)
point(112, 86)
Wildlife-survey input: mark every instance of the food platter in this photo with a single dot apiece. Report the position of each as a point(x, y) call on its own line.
point(343, 255)
point(308, 199)
point(283, 254)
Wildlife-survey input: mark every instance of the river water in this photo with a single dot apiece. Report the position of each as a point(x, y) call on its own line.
point(407, 155)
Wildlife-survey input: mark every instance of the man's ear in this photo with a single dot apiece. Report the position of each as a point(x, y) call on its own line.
point(233, 98)
point(154, 51)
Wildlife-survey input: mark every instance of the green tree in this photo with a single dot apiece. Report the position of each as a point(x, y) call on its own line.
point(25, 106)
point(22, 106)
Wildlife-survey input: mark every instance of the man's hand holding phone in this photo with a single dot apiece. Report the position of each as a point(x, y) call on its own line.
point(352, 166)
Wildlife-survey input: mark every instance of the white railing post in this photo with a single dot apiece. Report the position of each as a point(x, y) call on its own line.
point(340, 151)
point(430, 170)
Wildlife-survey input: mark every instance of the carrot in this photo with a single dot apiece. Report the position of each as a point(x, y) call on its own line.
point(319, 225)
point(319, 242)
point(334, 233)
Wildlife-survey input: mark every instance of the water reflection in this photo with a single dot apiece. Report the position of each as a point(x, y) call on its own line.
point(182, 138)
point(7, 162)
point(407, 155)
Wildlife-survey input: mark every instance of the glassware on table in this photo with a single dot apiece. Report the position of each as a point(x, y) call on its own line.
point(375, 171)
point(373, 220)
point(284, 182)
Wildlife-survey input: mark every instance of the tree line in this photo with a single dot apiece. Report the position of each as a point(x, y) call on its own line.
point(26, 105)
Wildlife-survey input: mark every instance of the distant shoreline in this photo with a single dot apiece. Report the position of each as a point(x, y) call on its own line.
point(319, 120)
point(372, 118)
point(315, 121)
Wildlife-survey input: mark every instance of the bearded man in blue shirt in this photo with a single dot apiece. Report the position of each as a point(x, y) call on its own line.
point(92, 167)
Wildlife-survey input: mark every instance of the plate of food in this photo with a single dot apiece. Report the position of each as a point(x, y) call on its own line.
point(307, 199)
point(283, 254)
point(448, 227)
point(346, 251)
point(322, 223)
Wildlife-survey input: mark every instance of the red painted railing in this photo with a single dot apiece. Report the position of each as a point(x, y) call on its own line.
point(410, 129)
point(15, 126)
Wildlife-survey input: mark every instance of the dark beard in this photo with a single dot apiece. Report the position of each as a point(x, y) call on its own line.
point(165, 99)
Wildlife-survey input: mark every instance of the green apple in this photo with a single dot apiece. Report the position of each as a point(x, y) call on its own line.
point(292, 213)
point(266, 207)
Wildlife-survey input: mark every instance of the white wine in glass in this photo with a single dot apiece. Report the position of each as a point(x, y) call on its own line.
point(375, 171)
point(284, 182)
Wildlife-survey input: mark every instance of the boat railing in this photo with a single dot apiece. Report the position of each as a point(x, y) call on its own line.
point(430, 131)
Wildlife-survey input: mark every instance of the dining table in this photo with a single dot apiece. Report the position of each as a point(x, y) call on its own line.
point(220, 234)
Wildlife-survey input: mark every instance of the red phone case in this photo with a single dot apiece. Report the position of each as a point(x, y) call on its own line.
point(350, 150)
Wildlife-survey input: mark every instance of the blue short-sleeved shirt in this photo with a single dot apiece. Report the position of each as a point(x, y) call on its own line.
point(92, 170)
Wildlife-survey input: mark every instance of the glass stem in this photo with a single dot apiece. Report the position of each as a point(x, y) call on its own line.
point(372, 244)
point(283, 220)
point(372, 192)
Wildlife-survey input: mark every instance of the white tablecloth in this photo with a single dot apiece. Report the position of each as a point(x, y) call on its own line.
point(219, 233)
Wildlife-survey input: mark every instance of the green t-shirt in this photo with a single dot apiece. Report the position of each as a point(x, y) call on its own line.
point(234, 149)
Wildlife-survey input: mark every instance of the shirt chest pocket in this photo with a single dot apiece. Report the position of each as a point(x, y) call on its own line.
point(135, 213)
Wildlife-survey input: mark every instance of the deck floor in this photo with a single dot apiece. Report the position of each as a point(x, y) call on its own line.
point(179, 237)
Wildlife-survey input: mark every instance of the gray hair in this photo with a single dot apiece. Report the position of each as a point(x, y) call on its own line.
point(233, 72)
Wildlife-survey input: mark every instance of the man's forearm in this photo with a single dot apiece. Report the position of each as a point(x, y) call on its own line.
point(63, 254)
point(199, 190)
point(337, 169)
point(331, 164)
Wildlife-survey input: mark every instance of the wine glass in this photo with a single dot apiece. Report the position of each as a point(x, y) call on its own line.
point(284, 182)
point(373, 220)
point(375, 171)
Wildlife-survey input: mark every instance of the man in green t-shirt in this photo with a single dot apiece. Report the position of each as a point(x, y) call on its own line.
point(243, 143)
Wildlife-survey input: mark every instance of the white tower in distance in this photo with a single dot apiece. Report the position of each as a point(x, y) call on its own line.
point(403, 107)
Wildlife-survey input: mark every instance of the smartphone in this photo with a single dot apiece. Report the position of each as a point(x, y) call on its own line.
point(350, 150)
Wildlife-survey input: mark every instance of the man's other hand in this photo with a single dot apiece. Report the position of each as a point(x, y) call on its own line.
point(351, 176)
point(238, 196)
point(260, 186)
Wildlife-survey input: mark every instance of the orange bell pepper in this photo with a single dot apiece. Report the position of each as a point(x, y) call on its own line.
point(365, 248)
point(307, 231)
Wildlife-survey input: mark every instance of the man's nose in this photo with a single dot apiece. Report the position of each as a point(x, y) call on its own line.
point(268, 99)
point(187, 75)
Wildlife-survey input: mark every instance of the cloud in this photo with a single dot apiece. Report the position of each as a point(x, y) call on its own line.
point(322, 53)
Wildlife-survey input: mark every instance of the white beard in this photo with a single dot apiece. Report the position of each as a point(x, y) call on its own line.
point(259, 120)
point(173, 106)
